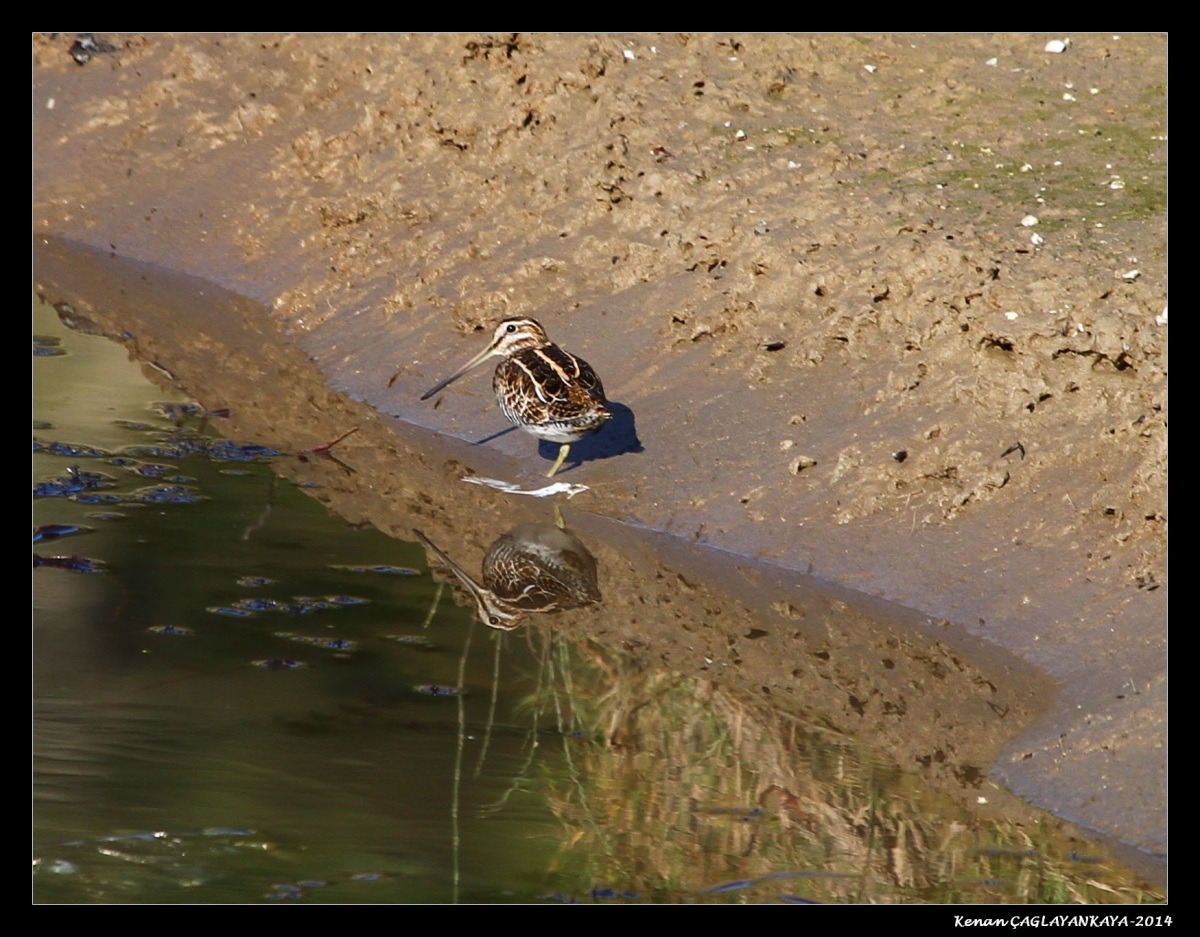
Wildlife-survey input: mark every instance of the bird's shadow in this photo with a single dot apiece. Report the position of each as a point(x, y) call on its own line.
point(617, 437)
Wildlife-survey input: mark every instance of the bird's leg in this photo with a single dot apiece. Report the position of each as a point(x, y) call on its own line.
point(562, 454)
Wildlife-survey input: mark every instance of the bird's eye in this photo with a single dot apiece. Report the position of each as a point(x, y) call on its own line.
point(511, 328)
point(494, 620)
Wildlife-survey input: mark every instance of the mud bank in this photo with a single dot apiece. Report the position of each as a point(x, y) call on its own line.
point(799, 263)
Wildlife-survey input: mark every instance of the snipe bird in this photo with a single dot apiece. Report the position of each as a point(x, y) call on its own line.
point(541, 388)
point(534, 568)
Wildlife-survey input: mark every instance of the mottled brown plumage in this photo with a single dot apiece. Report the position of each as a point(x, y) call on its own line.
point(541, 388)
point(534, 568)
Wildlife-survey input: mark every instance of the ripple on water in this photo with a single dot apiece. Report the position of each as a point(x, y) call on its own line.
point(331, 644)
point(70, 450)
point(47, 346)
point(229, 611)
point(411, 640)
point(170, 629)
point(280, 663)
point(167, 494)
point(73, 482)
point(436, 689)
point(252, 582)
point(382, 568)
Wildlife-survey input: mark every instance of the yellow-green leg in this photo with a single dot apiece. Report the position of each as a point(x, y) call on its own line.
point(562, 454)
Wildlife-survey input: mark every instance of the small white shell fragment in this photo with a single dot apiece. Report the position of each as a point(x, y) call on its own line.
point(1067, 96)
point(1131, 275)
point(629, 56)
point(1029, 221)
point(993, 61)
point(1161, 318)
point(871, 68)
point(1057, 45)
point(793, 165)
point(1036, 239)
point(1026, 167)
point(740, 135)
point(508, 487)
point(1117, 184)
point(1010, 316)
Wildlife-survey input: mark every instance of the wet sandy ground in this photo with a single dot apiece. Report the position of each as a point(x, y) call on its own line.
point(800, 266)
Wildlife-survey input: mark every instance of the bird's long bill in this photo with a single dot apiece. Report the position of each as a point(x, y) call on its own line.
point(473, 363)
point(490, 612)
point(472, 586)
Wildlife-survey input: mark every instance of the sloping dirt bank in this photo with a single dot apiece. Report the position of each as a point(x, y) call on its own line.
point(798, 262)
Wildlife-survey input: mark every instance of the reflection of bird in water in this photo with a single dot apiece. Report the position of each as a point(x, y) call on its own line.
point(541, 388)
point(533, 568)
